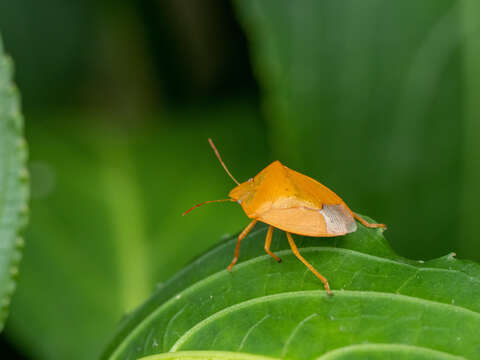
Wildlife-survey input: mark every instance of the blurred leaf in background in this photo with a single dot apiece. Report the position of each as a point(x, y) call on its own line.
point(369, 98)
point(470, 11)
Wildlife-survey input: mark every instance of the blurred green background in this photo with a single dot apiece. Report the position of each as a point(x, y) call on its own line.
point(376, 99)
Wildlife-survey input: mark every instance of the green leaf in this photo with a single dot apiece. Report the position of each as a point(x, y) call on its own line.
point(206, 355)
point(383, 304)
point(371, 98)
point(354, 352)
point(13, 184)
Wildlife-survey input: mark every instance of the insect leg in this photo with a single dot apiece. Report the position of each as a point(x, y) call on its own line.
point(240, 238)
point(307, 264)
point(268, 242)
point(367, 224)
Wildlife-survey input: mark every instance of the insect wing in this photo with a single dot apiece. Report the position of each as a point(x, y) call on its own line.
point(338, 220)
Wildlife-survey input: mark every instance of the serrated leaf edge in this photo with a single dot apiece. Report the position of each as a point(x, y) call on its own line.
point(23, 179)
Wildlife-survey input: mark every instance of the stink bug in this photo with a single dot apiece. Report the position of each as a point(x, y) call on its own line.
point(295, 203)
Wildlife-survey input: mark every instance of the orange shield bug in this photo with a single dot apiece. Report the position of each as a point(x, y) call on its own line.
point(295, 203)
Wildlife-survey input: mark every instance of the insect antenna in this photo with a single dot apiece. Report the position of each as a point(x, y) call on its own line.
point(205, 202)
point(221, 161)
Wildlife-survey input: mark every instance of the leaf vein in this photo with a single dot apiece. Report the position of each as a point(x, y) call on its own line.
point(410, 278)
point(169, 325)
point(247, 334)
point(295, 331)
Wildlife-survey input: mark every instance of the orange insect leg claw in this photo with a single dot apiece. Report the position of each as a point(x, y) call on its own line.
point(268, 242)
point(240, 238)
point(307, 264)
point(367, 224)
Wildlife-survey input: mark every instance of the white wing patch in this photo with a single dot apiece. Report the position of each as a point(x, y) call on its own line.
point(338, 219)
